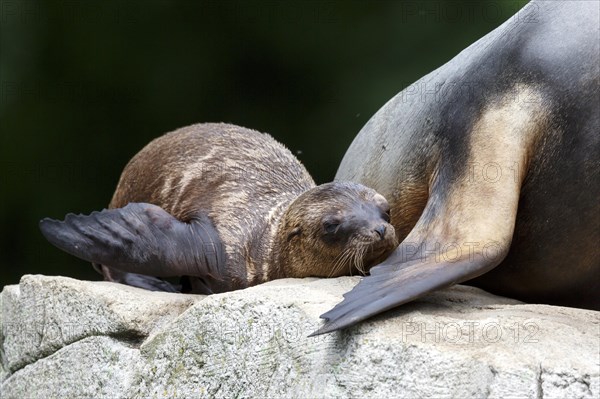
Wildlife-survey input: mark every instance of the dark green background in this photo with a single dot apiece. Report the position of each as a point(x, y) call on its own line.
point(86, 84)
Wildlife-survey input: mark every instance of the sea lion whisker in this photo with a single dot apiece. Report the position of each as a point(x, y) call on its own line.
point(347, 255)
point(355, 257)
point(360, 260)
point(348, 258)
point(338, 259)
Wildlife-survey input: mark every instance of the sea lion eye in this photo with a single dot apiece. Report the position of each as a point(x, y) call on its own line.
point(330, 226)
point(385, 212)
point(386, 216)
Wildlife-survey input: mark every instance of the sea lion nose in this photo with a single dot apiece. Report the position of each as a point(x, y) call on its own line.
point(381, 231)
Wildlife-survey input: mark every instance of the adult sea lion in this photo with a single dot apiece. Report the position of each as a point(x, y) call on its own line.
point(225, 208)
point(491, 167)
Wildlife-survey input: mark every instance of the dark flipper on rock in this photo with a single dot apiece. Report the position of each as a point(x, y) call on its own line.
point(149, 283)
point(394, 283)
point(143, 239)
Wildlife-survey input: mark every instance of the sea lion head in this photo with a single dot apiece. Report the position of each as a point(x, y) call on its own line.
point(335, 229)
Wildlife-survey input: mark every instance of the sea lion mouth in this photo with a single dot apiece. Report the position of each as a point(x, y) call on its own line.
point(363, 252)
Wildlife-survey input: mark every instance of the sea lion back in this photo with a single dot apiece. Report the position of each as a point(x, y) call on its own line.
point(193, 168)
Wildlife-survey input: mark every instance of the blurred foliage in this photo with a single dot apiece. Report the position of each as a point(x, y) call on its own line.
point(86, 84)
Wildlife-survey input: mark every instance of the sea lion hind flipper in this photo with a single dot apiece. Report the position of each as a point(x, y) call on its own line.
point(149, 283)
point(395, 283)
point(141, 238)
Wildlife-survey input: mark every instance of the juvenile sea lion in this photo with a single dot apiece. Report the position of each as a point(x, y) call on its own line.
point(491, 167)
point(225, 208)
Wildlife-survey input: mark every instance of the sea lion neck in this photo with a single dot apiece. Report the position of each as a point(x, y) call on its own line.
point(287, 252)
point(274, 262)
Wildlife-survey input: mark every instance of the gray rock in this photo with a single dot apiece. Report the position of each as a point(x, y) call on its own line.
point(95, 367)
point(43, 314)
point(460, 342)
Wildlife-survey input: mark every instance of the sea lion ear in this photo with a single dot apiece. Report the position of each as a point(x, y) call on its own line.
point(295, 232)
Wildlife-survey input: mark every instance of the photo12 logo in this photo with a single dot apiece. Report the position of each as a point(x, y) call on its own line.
point(470, 332)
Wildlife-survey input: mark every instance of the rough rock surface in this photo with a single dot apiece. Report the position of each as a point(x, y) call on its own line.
point(67, 338)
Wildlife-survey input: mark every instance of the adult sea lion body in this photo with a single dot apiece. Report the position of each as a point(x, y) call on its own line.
point(491, 167)
point(225, 208)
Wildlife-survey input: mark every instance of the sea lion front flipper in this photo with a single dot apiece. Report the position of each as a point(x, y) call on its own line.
point(141, 238)
point(418, 267)
point(394, 283)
